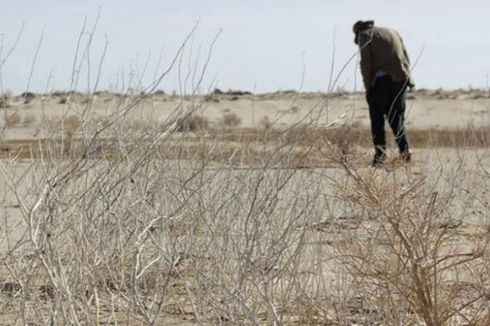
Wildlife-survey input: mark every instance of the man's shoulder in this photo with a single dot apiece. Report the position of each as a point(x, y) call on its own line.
point(386, 34)
point(383, 31)
point(378, 32)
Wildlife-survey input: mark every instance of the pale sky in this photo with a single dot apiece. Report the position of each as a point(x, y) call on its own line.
point(263, 46)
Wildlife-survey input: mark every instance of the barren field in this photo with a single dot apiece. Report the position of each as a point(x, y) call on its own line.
point(234, 208)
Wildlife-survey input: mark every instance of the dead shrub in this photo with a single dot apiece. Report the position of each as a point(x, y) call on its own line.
point(5, 101)
point(70, 126)
point(238, 93)
point(192, 123)
point(231, 95)
point(404, 256)
point(28, 97)
point(12, 120)
point(159, 92)
point(346, 137)
point(212, 98)
point(231, 119)
point(265, 123)
point(217, 91)
point(59, 93)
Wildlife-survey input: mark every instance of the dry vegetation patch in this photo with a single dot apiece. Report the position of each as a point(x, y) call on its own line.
point(12, 120)
point(160, 225)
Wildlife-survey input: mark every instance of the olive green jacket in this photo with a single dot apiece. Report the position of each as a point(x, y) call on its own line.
point(382, 49)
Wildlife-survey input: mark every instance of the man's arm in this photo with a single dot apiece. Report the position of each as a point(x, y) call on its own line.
point(411, 84)
point(366, 60)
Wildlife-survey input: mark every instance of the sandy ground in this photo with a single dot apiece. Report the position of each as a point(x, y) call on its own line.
point(425, 110)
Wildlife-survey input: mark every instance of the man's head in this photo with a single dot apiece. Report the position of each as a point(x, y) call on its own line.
point(360, 26)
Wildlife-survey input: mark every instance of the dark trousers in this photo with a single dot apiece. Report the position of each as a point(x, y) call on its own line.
point(387, 100)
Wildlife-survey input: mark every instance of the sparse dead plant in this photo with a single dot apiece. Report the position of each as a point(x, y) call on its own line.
point(409, 256)
point(230, 119)
point(12, 120)
point(265, 123)
point(192, 122)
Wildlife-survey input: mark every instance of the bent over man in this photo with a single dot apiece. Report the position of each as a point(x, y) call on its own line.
point(385, 69)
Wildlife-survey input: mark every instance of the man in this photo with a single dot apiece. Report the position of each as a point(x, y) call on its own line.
point(385, 69)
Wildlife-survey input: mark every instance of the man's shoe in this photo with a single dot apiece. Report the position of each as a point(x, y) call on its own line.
point(406, 157)
point(378, 161)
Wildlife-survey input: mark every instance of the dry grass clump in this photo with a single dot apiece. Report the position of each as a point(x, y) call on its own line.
point(28, 97)
point(59, 130)
point(71, 124)
point(231, 95)
point(5, 101)
point(265, 123)
point(346, 138)
point(159, 93)
point(12, 120)
point(212, 98)
point(192, 122)
point(230, 119)
point(409, 259)
point(230, 92)
point(59, 93)
point(468, 136)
